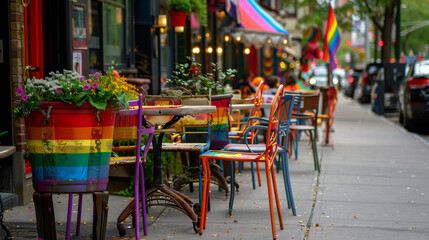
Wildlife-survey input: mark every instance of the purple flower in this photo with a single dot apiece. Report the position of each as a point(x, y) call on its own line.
point(94, 85)
point(86, 87)
point(75, 93)
point(58, 90)
point(97, 74)
point(96, 78)
point(19, 91)
point(81, 78)
point(24, 97)
point(88, 80)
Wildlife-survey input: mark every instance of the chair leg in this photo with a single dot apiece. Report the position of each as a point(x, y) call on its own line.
point(252, 168)
point(286, 177)
point(206, 188)
point(69, 215)
point(276, 195)
point(270, 199)
point(315, 156)
point(143, 199)
point(259, 174)
point(231, 199)
point(285, 180)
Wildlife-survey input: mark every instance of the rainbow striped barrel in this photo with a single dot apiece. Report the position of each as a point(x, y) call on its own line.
point(70, 151)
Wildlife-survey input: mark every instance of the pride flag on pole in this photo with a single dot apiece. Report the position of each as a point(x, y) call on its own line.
point(231, 7)
point(332, 39)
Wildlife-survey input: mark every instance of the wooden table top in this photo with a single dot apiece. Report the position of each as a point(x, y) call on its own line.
point(178, 111)
point(248, 106)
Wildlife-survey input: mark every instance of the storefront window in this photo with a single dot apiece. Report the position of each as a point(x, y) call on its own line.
point(114, 47)
point(94, 40)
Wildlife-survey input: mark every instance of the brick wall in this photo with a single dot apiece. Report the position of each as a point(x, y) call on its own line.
point(17, 62)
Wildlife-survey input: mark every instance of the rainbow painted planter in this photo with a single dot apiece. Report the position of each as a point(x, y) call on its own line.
point(70, 151)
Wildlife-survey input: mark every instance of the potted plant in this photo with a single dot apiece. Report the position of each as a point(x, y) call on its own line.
point(188, 76)
point(70, 121)
point(177, 10)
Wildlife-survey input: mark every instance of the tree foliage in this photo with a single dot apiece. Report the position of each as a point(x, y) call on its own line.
point(414, 12)
point(381, 12)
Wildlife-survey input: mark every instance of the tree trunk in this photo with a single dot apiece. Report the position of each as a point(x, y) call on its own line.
point(375, 44)
point(386, 34)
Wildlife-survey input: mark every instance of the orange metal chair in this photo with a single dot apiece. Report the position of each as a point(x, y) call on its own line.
point(238, 135)
point(268, 158)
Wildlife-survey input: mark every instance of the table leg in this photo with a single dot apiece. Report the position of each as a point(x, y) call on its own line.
point(45, 216)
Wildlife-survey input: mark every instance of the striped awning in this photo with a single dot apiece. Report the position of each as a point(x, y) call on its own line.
point(255, 26)
point(254, 17)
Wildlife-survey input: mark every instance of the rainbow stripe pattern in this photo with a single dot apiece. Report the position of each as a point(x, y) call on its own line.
point(72, 152)
point(332, 39)
point(254, 17)
point(312, 34)
point(220, 124)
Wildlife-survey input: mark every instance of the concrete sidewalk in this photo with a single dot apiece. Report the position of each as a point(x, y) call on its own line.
point(373, 185)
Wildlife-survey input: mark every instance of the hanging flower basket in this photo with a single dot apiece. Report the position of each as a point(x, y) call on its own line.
point(70, 147)
point(177, 18)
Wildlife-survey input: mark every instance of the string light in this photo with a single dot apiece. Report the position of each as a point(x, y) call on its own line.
point(196, 50)
point(226, 38)
point(219, 50)
point(247, 51)
point(209, 50)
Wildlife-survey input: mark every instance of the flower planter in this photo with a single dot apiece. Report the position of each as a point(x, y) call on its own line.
point(177, 18)
point(70, 150)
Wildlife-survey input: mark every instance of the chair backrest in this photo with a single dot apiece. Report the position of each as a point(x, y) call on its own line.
point(286, 109)
point(130, 128)
point(309, 102)
point(273, 127)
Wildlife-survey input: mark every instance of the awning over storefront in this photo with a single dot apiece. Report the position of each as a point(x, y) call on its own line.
point(254, 25)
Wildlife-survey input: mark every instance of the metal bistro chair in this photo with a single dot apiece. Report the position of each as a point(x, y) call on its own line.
point(285, 117)
point(131, 128)
point(267, 157)
point(308, 110)
point(238, 135)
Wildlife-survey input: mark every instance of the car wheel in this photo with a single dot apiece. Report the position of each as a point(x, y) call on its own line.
point(409, 124)
point(401, 116)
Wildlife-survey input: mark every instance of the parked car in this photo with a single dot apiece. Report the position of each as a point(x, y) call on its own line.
point(384, 95)
point(353, 78)
point(319, 77)
point(414, 96)
point(366, 82)
point(340, 74)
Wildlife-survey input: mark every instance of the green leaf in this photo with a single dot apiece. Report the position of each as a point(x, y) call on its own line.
point(97, 103)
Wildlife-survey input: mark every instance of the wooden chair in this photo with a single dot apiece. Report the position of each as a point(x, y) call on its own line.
point(309, 110)
point(267, 158)
point(329, 103)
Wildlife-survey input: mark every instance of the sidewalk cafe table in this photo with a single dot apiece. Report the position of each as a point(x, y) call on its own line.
point(159, 194)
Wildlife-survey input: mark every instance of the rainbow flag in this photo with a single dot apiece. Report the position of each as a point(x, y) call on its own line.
point(231, 7)
point(332, 39)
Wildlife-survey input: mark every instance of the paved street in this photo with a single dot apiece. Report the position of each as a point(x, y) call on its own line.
point(373, 185)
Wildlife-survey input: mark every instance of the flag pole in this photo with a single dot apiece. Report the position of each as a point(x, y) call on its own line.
point(328, 125)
